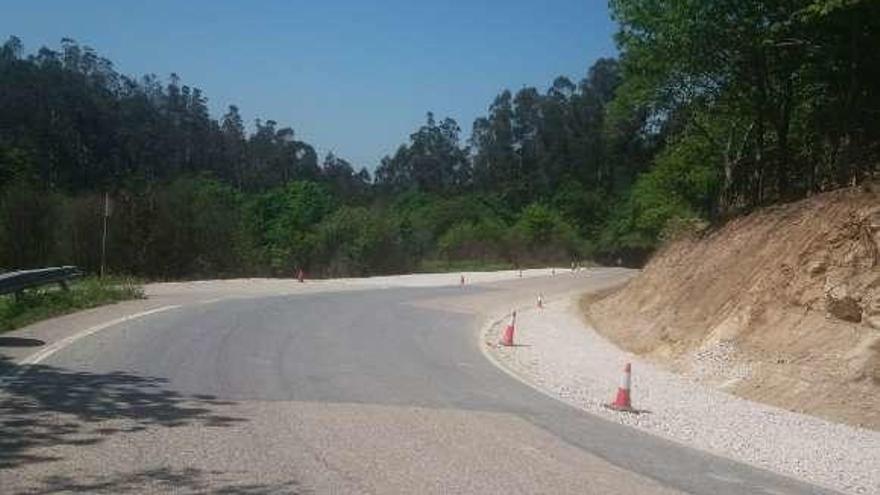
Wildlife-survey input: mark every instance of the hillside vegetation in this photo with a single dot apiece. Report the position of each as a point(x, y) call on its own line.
point(780, 306)
point(710, 110)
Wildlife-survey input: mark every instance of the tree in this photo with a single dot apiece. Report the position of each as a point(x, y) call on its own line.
point(495, 163)
point(528, 132)
point(234, 147)
point(358, 241)
point(712, 108)
point(195, 229)
point(754, 76)
point(281, 225)
point(342, 179)
point(11, 50)
point(433, 160)
point(545, 234)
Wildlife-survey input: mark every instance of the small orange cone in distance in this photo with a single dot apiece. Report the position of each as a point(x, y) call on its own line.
point(622, 401)
point(507, 338)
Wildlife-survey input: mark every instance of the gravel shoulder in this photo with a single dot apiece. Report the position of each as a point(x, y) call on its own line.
point(249, 287)
point(558, 353)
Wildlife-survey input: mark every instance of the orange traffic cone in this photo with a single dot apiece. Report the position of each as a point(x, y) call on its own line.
point(540, 301)
point(622, 401)
point(507, 338)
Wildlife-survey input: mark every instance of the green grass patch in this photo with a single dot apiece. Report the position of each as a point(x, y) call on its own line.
point(50, 301)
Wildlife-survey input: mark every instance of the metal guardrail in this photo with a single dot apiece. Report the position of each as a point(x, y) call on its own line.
point(17, 281)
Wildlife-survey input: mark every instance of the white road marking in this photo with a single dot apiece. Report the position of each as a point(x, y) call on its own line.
point(61, 344)
point(67, 341)
point(725, 477)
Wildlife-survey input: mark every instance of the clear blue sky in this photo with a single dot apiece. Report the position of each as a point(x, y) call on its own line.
point(354, 77)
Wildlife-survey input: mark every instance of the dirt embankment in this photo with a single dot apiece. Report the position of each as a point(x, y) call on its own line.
point(781, 306)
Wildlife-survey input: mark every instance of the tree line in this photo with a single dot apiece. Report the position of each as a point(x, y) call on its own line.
point(710, 109)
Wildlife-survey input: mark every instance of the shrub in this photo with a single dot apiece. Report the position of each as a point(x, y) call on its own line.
point(357, 241)
point(541, 234)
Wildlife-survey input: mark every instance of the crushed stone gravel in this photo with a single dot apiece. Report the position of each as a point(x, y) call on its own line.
point(559, 354)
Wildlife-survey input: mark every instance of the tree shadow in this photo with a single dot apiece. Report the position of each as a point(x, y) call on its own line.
point(506, 346)
point(164, 480)
point(633, 411)
point(43, 406)
point(20, 342)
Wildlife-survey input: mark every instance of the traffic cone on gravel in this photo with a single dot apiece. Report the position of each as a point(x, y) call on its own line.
point(622, 402)
point(507, 338)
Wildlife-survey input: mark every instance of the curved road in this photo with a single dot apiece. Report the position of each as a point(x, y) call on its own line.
point(371, 391)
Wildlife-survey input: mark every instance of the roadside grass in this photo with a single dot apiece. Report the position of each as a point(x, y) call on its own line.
point(50, 301)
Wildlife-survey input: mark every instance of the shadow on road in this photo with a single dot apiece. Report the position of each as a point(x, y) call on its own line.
point(20, 342)
point(43, 406)
point(164, 480)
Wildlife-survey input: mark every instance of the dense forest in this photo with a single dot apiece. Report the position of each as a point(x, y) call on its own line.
point(712, 108)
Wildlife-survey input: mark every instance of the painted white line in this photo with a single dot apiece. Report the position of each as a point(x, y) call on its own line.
point(61, 344)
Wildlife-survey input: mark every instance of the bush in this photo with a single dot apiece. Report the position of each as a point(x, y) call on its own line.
point(280, 226)
point(542, 234)
point(29, 218)
point(673, 196)
point(357, 241)
point(424, 218)
point(581, 207)
point(195, 229)
point(484, 240)
point(681, 184)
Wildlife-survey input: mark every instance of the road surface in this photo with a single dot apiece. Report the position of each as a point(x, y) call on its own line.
point(367, 391)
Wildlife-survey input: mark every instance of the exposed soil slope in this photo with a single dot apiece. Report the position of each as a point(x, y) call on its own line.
point(781, 306)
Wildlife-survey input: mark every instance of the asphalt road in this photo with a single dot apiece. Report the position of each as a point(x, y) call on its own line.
point(377, 391)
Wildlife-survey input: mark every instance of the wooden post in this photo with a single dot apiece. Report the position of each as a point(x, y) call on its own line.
point(104, 234)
